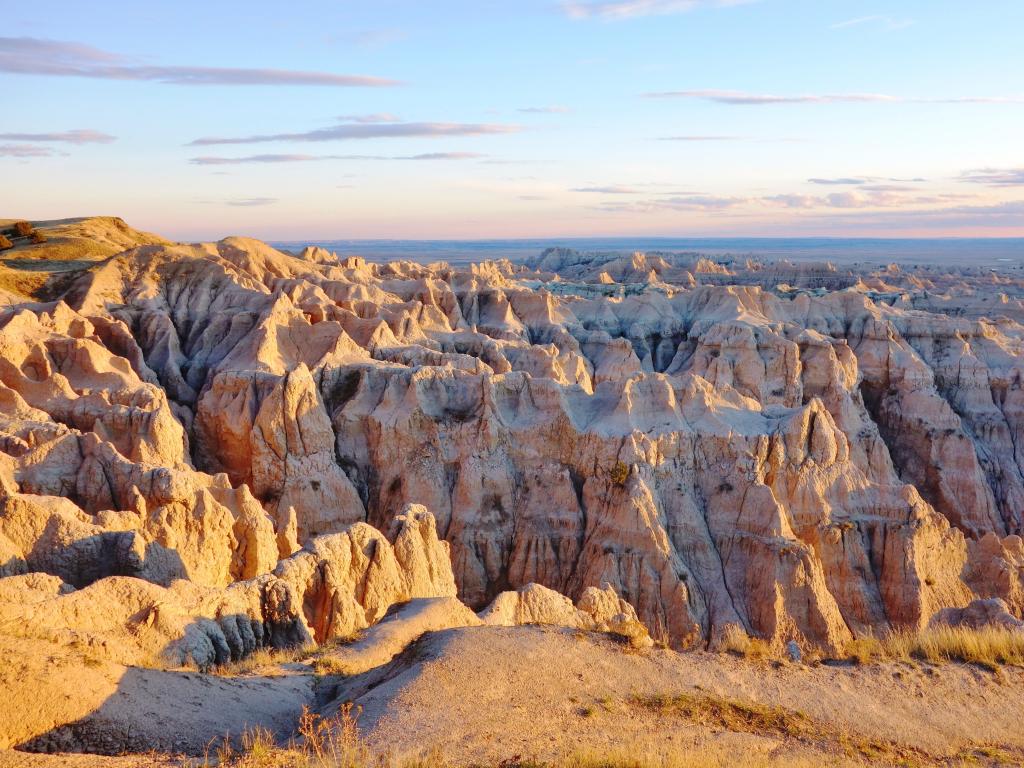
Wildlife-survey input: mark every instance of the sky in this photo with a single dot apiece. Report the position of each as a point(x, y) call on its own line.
point(324, 119)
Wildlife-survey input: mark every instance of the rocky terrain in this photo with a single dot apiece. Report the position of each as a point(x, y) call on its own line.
point(211, 449)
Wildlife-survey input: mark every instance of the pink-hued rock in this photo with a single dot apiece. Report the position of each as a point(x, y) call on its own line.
point(811, 452)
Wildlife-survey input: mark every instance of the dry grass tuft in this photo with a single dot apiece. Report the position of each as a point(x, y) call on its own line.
point(715, 711)
point(695, 757)
point(989, 647)
point(261, 658)
point(736, 641)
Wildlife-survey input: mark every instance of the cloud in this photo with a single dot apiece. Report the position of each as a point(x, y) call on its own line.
point(884, 196)
point(613, 10)
point(25, 150)
point(863, 180)
point(376, 117)
point(298, 158)
point(442, 156)
point(993, 177)
point(846, 180)
point(708, 203)
point(79, 136)
point(1007, 214)
point(613, 189)
point(889, 23)
point(699, 138)
point(555, 109)
point(759, 99)
point(378, 129)
point(252, 201)
point(36, 56)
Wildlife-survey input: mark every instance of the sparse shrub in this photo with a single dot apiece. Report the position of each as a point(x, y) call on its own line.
point(37, 237)
point(5, 243)
point(619, 473)
point(263, 657)
point(736, 640)
point(22, 229)
point(864, 650)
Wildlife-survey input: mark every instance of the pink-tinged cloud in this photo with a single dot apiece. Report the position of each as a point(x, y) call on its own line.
point(298, 158)
point(995, 177)
point(611, 189)
point(79, 136)
point(57, 58)
point(356, 131)
point(612, 10)
point(25, 150)
point(742, 98)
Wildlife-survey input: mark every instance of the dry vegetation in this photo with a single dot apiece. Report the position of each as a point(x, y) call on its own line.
point(263, 660)
point(988, 647)
point(336, 743)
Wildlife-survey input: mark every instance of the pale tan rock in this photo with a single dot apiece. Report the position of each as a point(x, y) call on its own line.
point(600, 610)
point(808, 451)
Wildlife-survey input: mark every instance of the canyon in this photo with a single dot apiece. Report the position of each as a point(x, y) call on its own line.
point(211, 449)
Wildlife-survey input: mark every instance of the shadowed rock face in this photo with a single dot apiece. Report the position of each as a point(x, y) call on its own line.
point(808, 452)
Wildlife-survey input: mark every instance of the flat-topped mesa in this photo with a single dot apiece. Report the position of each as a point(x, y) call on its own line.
point(812, 462)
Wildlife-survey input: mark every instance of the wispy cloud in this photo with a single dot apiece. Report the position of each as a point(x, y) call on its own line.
point(299, 158)
point(612, 10)
point(252, 201)
point(700, 138)
point(555, 109)
point(759, 99)
point(841, 181)
point(888, 23)
point(862, 180)
point(613, 189)
point(870, 197)
point(995, 177)
point(25, 150)
point(382, 128)
point(706, 203)
point(79, 136)
point(36, 56)
point(376, 117)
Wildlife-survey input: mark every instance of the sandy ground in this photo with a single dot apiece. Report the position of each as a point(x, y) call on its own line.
point(56, 699)
point(486, 694)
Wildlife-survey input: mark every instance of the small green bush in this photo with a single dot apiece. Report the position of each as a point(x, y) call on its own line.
point(619, 473)
point(37, 237)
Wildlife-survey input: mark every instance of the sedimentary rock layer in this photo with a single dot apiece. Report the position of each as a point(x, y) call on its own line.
point(808, 452)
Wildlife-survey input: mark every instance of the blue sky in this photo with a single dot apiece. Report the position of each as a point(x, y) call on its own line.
point(531, 118)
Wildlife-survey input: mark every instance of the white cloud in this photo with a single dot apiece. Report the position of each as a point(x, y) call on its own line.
point(628, 9)
point(759, 99)
point(889, 23)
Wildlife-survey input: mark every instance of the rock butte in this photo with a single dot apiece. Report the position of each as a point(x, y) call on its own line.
point(206, 449)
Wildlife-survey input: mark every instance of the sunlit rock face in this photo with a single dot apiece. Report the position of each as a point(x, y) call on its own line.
point(810, 452)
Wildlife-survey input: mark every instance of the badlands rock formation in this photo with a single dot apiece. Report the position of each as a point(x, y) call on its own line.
point(235, 446)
